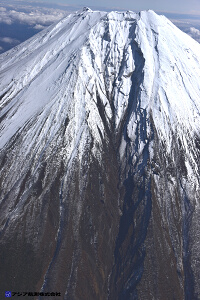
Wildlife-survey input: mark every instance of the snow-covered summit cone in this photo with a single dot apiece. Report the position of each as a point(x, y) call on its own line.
point(99, 154)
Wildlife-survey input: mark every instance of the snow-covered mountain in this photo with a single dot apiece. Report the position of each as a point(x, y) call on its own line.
point(99, 160)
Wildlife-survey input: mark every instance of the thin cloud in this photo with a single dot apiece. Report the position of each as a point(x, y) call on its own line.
point(34, 16)
point(194, 31)
point(2, 9)
point(39, 27)
point(9, 40)
point(189, 26)
point(4, 16)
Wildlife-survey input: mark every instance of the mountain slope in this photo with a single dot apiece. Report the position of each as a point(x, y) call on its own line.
point(99, 177)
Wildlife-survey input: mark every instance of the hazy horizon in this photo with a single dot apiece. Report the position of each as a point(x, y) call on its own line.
point(170, 6)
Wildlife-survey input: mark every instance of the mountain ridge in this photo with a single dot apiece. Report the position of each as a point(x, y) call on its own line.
point(99, 140)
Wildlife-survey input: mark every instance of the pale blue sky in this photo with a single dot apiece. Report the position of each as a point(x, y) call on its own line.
point(178, 6)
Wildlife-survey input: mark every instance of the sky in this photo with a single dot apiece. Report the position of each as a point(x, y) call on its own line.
point(21, 19)
point(177, 6)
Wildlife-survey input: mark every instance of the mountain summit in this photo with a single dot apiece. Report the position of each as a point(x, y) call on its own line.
point(100, 160)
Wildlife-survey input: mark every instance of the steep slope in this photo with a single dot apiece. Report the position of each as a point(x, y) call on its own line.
point(99, 176)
